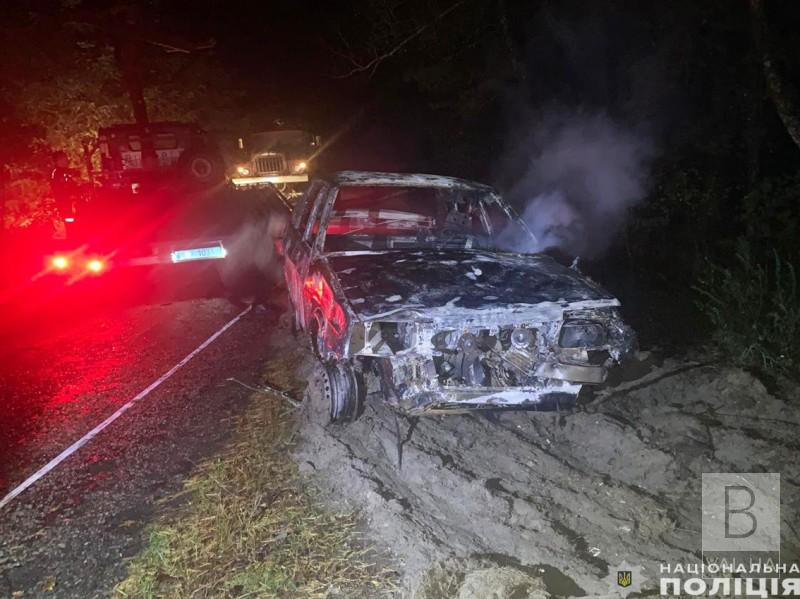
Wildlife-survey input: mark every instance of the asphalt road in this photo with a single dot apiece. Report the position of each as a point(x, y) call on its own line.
point(60, 376)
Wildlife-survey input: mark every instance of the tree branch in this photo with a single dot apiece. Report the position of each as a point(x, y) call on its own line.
point(184, 48)
point(373, 64)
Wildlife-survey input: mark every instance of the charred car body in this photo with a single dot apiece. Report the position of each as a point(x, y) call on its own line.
point(405, 287)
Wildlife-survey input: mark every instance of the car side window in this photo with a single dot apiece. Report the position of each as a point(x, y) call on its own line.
point(304, 206)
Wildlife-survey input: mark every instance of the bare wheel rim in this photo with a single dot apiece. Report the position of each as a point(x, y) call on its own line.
point(318, 398)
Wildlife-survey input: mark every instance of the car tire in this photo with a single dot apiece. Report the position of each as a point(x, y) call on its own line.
point(334, 394)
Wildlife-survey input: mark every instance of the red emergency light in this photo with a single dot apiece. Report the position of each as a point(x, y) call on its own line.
point(95, 265)
point(60, 262)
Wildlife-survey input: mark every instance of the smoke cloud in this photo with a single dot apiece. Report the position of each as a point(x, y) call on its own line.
point(580, 175)
point(251, 265)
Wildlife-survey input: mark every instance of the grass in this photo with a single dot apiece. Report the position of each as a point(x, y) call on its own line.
point(252, 528)
point(754, 309)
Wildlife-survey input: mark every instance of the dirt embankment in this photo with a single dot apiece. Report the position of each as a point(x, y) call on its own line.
point(542, 504)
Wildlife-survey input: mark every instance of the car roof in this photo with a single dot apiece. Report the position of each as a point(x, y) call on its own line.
point(382, 179)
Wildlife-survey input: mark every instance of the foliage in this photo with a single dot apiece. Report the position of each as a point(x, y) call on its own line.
point(754, 308)
point(770, 214)
point(753, 303)
point(684, 205)
point(71, 104)
point(62, 82)
point(27, 202)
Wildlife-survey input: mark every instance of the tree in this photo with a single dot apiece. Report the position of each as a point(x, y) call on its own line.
point(782, 94)
point(66, 73)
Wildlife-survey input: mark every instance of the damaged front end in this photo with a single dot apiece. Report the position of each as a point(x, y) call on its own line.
point(531, 356)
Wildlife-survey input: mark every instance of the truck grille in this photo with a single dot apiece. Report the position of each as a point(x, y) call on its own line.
point(269, 164)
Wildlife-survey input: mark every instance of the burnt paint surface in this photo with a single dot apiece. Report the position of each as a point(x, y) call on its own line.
point(407, 180)
point(379, 282)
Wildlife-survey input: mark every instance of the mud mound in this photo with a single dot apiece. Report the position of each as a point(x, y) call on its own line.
point(571, 494)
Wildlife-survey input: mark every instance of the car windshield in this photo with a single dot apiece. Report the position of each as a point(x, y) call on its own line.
point(418, 217)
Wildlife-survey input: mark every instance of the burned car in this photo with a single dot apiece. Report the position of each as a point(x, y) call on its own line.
point(406, 286)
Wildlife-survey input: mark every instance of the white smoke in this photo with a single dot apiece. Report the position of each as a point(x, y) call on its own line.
point(580, 175)
point(251, 262)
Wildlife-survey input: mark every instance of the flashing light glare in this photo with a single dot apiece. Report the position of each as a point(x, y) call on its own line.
point(300, 167)
point(60, 262)
point(95, 265)
point(69, 219)
point(242, 170)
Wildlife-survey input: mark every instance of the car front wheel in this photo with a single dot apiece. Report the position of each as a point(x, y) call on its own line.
point(335, 393)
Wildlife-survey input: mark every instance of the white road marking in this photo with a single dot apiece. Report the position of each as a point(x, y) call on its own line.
point(124, 408)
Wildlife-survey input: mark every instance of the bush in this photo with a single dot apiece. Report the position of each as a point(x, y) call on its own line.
point(754, 310)
point(769, 214)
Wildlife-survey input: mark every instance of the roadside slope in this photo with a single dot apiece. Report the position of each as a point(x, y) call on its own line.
point(558, 499)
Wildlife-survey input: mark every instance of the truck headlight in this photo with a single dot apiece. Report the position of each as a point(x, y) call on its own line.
point(582, 333)
point(242, 170)
point(300, 166)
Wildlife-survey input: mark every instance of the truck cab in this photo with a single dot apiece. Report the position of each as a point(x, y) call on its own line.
point(283, 158)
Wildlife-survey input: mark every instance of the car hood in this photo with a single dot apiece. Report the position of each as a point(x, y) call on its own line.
point(434, 282)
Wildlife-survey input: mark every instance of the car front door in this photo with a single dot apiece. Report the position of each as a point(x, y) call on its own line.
point(298, 247)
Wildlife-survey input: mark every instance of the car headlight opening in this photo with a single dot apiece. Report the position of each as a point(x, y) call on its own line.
point(582, 333)
point(522, 338)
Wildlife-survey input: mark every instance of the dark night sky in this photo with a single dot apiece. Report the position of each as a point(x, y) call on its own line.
point(281, 55)
point(449, 100)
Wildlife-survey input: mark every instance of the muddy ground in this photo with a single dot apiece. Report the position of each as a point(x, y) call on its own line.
point(525, 504)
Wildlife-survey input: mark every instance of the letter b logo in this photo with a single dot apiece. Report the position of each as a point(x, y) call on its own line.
point(741, 512)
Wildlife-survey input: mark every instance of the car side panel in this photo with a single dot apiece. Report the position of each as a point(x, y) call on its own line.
point(327, 305)
point(298, 255)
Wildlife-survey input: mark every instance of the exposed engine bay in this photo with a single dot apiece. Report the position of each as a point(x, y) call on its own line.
point(422, 366)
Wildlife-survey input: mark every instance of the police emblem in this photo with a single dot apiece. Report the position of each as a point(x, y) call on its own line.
point(624, 578)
